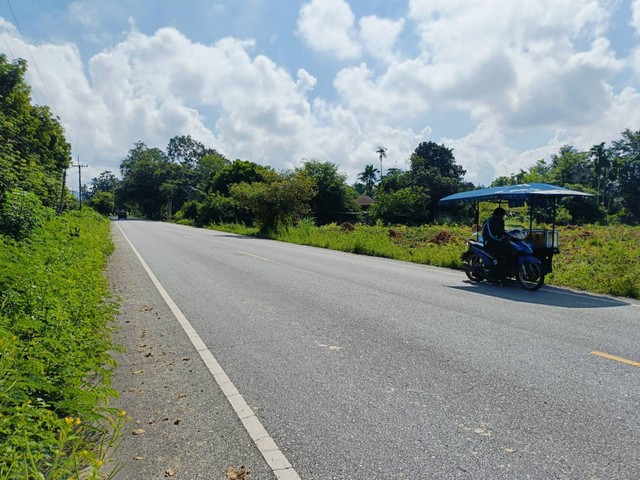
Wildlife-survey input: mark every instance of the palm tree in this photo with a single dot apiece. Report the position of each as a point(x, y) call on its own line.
point(382, 153)
point(368, 177)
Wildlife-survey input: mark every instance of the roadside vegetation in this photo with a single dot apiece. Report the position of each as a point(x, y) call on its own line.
point(55, 307)
point(55, 339)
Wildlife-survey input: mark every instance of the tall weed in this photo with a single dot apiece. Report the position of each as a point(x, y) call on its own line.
point(55, 338)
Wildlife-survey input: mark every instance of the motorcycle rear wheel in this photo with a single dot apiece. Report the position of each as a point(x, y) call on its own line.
point(472, 264)
point(530, 276)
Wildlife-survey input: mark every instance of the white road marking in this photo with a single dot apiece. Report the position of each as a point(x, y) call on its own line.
point(254, 256)
point(274, 457)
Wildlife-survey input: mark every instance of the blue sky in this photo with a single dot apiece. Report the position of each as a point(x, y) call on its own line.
point(503, 83)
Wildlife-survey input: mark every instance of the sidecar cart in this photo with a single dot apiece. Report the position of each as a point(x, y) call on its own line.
point(537, 196)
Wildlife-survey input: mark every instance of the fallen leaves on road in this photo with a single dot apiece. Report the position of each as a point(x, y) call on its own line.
point(137, 431)
point(169, 472)
point(237, 473)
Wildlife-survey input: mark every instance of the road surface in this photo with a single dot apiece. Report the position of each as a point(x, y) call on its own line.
point(367, 368)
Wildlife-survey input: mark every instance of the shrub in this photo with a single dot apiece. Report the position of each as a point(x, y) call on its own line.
point(21, 214)
point(55, 367)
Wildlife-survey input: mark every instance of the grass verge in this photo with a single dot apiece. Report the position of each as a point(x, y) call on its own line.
point(56, 318)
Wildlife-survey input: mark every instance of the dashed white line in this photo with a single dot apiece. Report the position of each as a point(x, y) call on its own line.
point(274, 457)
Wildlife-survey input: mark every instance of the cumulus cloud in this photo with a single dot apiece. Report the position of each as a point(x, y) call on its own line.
point(379, 36)
point(635, 15)
point(328, 27)
point(504, 68)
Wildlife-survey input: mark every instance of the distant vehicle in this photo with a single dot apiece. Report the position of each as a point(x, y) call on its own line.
point(122, 214)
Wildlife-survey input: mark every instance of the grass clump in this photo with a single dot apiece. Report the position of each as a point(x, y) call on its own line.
point(55, 338)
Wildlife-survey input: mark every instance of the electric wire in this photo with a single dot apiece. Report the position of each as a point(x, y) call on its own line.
point(35, 65)
point(44, 84)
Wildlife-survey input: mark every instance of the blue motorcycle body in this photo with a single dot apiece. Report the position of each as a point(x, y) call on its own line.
point(480, 265)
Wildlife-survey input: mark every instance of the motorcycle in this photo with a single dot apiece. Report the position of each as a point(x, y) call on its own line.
point(481, 265)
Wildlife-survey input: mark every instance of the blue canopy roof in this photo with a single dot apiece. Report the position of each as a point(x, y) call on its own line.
point(524, 191)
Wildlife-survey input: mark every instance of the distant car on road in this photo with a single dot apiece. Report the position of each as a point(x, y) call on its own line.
point(122, 214)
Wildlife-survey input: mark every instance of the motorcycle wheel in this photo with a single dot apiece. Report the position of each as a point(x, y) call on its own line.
point(471, 265)
point(530, 276)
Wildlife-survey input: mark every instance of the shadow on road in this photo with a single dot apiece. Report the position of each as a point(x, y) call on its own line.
point(552, 296)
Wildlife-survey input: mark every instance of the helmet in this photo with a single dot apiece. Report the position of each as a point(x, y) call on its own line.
point(499, 211)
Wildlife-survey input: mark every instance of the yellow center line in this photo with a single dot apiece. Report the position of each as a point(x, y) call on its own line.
point(254, 256)
point(617, 359)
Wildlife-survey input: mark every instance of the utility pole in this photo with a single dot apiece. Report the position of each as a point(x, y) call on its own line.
point(62, 190)
point(80, 167)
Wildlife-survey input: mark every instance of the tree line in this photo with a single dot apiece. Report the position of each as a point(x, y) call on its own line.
point(34, 155)
point(195, 184)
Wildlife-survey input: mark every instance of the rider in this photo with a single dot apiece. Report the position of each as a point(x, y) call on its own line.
point(495, 239)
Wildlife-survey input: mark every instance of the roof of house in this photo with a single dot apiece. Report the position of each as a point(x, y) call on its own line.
point(365, 200)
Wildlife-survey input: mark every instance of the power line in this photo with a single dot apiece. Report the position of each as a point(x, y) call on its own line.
point(35, 65)
point(8, 47)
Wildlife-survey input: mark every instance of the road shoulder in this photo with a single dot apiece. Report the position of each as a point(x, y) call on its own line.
point(182, 425)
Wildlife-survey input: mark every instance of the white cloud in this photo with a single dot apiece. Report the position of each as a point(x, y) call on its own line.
point(504, 68)
point(379, 36)
point(635, 15)
point(328, 27)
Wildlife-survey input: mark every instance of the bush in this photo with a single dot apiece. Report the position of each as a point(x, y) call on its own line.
point(55, 367)
point(21, 214)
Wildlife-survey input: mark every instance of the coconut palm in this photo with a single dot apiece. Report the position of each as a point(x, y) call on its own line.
point(382, 153)
point(368, 177)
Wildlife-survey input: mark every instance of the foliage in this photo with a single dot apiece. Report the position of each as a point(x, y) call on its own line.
point(368, 178)
point(409, 206)
point(599, 259)
point(55, 367)
point(276, 203)
point(21, 214)
point(240, 171)
point(144, 171)
point(103, 202)
point(332, 194)
point(33, 150)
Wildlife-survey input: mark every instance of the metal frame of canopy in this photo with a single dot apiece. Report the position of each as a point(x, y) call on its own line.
point(529, 193)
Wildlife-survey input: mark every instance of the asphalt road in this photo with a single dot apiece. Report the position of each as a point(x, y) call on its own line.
point(367, 368)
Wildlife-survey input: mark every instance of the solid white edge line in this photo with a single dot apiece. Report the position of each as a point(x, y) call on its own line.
point(274, 457)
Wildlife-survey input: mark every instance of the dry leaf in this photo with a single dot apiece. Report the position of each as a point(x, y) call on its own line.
point(138, 431)
point(237, 473)
point(169, 472)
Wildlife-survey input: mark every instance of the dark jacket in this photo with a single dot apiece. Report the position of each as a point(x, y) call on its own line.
point(493, 234)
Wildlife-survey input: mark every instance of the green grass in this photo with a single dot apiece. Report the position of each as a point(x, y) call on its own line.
point(55, 338)
point(593, 258)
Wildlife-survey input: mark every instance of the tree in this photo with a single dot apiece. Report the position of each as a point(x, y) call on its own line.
point(238, 172)
point(33, 149)
point(382, 153)
point(144, 171)
point(627, 165)
point(601, 165)
point(105, 182)
point(408, 206)
point(103, 202)
point(570, 166)
point(276, 203)
point(396, 179)
point(433, 167)
point(185, 150)
point(206, 170)
point(333, 195)
point(368, 177)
